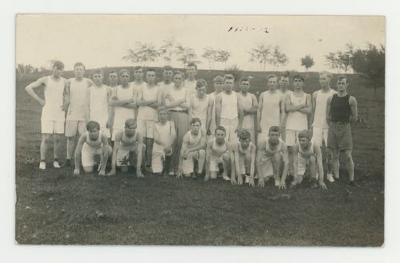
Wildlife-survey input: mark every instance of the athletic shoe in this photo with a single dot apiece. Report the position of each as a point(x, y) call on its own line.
point(42, 165)
point(56, 165)
point(277, 183)
point(330, 178)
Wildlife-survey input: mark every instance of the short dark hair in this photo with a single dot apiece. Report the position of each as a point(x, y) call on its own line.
point(201, 83)
point(271, 76)
point(218, 78)
point(98, 71)
point(167, 67)
point(194, 120)
point(297, 76)
point(244, 79)
point(285, 74)
point(178, 72)
point(304, 134)
point(113, 72)
point(191, 64)
point(274, 129)
point(150, 70)
point(124, 70)
point(244, 134)
point(342, 77)
point(137, 67)
point(58, 65)
point(79, 64)
point(130, 122)
point(221, 128)
point(91, 125)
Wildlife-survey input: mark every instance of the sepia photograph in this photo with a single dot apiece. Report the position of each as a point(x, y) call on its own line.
point(200, 130)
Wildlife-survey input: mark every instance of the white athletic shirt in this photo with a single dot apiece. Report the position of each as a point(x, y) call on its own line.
point(218, 150)
point(199, 108)
point(121, 114)
point(53, 97)
point(229, 105)
point(212, 97)
point(96, 143)
point(146, 112)
point(190, 86)
point(302, 153)
point(321, 99)
point(78, 109)
point(270, 111)
point(245, 101)
point(165, 131)
point(176, 94)
point(99, 103)
point(296, 120)
point(163, 89)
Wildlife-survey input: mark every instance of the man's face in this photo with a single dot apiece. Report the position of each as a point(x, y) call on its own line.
point(151, 77)
point(138, 74)
point(191, 71)
point(167, 75)
point(298, 83)
point(130, 130)
point(324, 79)
point(163, 116)
point(201, 91)
point(124, 77)
point(342, 85)
point(228, 85)
point(94, 134)
point(79, 71)
point(284, 82)
point(57, 72)
point(113, 77)
point(244, 86)
point(178, 80)
point(272, 83)
point(273, 138)
point(244, 143)
point(220, 136)
point(98, 79)
point(304, 142)
point(218, 86)
point(195, 127)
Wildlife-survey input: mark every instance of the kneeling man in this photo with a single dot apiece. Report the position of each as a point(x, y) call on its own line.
point(243, 156)
point(92, 144)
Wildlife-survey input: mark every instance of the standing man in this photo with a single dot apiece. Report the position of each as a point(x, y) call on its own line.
point(76, 99)
point(320, 125)
point(248, 102)
point(218, 83)
point(271, 107)
point(147, 100)
point(341, 110)
point(137, 84)
point(298, 107)
point(113, 83)
point(165, 84)
point(284, 84)
point(190, 82)
point(228, 111)
point(201, 105)
point(53, 116)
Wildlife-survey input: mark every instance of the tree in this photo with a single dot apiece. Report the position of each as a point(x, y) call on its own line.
point(143, 53)
point(370, 63)
point(307, 62)
point(222, 56)
point(278, 58)
point(341, 60)
point(167, 50)
point(186, 55)
point(260, 54)
point(210, 54)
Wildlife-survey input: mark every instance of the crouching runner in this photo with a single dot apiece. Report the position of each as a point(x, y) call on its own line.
point(243, 156)
point(271, 157)
point(128, 149)
point(307, 155)
point(92, 145)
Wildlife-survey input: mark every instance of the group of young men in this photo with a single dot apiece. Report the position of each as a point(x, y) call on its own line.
point(173, 127)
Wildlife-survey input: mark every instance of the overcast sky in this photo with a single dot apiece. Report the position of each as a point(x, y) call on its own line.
point(102, 40)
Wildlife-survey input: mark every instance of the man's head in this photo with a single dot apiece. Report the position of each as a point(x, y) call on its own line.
point(97, 77)
point(274, 133)
point(130, 127)
point(168, 74)
point(220, 134)
point(298, 82)
point(138, 73)
point(244, 138)
point(57, 68)
point(244, 85)
point(191, 70)
point(201, 88)
point(79, 70)
point(304, 138)
point(195, 125)
point(178, 78)
point(124, 76)
point(113, 78)
point(325, 79)
point(229, 83)
point(284, 81)
point(163, 115)
point(342, 84)
point(93, 129)
point(218, 82)
point(151, 76)
point(272, 82)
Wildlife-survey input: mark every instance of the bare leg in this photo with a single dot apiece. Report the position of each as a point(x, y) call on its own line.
point(44, 146)
point(349, 165)
point(70, 147)
point(335, 163)
point(202, 159)
point(276, 165)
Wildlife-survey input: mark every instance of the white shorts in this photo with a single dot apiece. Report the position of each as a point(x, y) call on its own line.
point(158, 157)
point(320, 135)
point(52, 127)
point(72, 128)
point(214, 161)
point(188, 163)
point(302, 164)
point(146, 128)
point(90, 155)
point(230, 126)
point(291, 137)
point(127, 156)
point(266, 167)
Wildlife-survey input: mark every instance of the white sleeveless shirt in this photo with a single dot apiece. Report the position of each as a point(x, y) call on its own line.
point(79, 100)
point(229, 105)
point(99, 103)
point(122, 113)
point(321, 100)
point(53, 97)
point(199, 108)
point(296, 120)
point(270, 113)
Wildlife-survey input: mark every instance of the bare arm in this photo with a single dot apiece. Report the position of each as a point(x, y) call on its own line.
point(328, 110)
point(139, 154)
point(290, 107)
point(78, 152)
point(252, 161)
point(285, 159)
point(240, 115)
point(117, 142)
point(209, 113)
point(313, 104)
point(66, 95)
point(259, 112)
point(295, 161)
point(30, 90)
point(308, 107)
point(318, 155)
point(354, 109)
point(282, 114)
point(200, 145)
point(218, 108)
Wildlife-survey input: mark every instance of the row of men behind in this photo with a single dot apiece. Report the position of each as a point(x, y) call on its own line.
point(186, 100)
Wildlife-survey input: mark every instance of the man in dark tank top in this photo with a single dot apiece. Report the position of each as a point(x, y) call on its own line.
point(341, 110)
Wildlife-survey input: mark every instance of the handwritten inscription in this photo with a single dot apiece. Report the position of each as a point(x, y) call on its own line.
point(248, 29)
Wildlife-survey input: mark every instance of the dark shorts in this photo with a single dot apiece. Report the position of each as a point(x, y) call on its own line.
point(339, 136)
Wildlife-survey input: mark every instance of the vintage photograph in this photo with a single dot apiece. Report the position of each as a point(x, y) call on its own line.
point(204, 130)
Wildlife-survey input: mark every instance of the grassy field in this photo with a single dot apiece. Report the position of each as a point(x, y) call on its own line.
point(55, 208)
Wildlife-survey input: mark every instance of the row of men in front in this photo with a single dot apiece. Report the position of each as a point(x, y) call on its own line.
point(293, 111)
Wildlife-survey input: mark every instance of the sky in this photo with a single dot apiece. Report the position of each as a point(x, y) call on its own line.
point(102, 40)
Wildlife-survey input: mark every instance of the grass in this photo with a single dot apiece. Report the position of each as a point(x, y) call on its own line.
point(53, 207)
